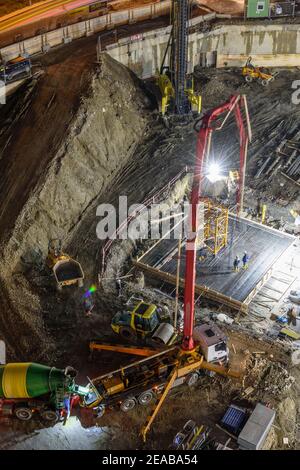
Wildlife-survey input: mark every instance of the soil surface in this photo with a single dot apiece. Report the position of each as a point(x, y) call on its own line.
point(82, 134)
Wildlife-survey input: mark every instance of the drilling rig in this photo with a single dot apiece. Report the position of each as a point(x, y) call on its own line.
point(177, 90)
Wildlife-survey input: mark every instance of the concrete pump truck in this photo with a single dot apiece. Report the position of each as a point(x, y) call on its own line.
point(151, 378)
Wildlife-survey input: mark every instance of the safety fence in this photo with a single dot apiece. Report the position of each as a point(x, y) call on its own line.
point(151, 199)
point(280, 9)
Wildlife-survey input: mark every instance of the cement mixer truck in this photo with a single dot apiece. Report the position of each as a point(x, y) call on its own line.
point(28, 388)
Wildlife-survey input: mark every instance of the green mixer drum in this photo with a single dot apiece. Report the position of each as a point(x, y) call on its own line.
point(28, 380)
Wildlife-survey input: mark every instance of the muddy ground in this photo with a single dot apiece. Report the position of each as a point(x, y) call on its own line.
point(85, 133)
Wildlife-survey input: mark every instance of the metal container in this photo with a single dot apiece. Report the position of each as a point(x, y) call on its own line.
point(258, 8)
point(164, 333)
point(234, 419)
point(255, 431)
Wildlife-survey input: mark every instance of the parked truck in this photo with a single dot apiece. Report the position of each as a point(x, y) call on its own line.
point(28, 388)
point(15, 69)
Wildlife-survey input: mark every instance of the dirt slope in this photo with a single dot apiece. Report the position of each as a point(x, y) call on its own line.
point(66, 146)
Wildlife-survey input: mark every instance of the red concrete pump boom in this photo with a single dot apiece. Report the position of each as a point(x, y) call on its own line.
point(235, 104)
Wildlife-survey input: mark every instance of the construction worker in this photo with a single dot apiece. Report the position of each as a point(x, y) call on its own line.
point(236, 263)
point(67, 408)
point(245, 260)
point(88, 305)
point(202, 254)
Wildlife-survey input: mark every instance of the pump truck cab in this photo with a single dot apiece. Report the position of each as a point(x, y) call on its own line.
point(143, 321)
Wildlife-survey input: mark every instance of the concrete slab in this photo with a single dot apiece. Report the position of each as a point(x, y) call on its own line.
point(264, 245)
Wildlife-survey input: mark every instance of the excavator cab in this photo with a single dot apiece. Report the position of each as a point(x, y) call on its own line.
point(54, 251)
point(145, 321)
point(140, 322)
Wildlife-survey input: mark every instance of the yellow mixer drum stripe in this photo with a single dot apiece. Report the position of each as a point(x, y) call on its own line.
point(14, 380)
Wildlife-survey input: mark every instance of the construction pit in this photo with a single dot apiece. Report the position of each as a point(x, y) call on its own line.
point(83, 133)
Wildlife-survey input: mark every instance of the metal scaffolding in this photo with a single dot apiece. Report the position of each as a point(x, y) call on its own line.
point(215, 226)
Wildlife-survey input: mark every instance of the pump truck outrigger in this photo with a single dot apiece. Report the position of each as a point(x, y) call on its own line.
point(151, 378)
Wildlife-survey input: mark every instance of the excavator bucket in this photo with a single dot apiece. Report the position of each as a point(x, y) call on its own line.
point(68, 272)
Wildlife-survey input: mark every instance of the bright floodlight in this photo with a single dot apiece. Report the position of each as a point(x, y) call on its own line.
point(214, 172)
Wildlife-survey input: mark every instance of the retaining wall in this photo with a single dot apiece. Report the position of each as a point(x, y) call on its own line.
point(226, 46)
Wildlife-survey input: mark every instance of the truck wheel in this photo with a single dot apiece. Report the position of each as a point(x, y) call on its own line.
point(265, 82)
point(145, 398)
point(127, 333)
point(50, 416)
point(248, 79)
point(23, 413)
point(128, 404)
point(192, 379)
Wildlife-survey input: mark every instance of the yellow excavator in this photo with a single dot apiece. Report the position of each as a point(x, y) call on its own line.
point(143, 321)
point(66, 270)
point(262, 75)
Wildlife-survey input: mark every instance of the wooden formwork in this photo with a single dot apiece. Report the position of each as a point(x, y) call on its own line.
point(200, 290)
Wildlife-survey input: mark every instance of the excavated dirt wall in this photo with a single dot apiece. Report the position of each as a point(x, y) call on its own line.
point(55, 181)
point(101, 137)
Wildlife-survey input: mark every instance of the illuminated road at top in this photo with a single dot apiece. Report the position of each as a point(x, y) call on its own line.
point(40, 11)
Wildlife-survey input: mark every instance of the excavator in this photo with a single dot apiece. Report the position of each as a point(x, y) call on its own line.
point(262, 75)
point(152, 377)
point(145, 322)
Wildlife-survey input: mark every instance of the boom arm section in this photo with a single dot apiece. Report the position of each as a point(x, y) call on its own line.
point(235, 104)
